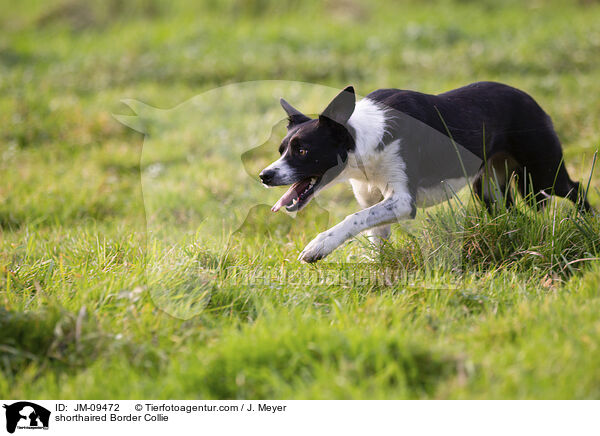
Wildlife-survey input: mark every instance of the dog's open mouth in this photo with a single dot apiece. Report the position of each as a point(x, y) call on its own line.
point(298, 196)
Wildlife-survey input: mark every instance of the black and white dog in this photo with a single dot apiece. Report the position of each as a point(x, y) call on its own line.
point(402, 149)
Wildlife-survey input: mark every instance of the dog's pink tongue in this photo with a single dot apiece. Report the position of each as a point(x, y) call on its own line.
point(286, 198)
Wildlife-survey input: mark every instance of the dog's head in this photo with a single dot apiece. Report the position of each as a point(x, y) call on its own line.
point(313, 153)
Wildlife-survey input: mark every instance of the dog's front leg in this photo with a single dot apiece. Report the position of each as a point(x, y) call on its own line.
point(368, 195)
point(390, 210)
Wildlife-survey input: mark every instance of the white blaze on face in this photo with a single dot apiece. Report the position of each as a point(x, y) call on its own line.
point(283, 173)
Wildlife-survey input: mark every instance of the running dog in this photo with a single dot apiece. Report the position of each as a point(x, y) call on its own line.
point(402, 149)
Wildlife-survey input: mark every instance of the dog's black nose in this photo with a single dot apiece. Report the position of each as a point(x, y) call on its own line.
point(266, 176)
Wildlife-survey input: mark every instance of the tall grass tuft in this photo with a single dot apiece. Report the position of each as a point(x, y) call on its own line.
point(556, 240)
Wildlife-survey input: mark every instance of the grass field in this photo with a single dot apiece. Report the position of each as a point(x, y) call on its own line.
point(97, 220)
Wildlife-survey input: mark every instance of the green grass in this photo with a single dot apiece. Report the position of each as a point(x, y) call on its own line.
point(103, 233)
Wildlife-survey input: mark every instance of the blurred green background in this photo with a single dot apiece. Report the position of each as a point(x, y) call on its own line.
point(65, 66)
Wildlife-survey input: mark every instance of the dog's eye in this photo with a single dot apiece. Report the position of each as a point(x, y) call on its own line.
point(302, 151)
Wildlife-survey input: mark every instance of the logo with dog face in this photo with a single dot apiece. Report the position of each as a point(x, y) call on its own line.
point(26, 415)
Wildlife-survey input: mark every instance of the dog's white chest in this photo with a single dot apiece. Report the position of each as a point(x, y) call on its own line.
point(383, 169)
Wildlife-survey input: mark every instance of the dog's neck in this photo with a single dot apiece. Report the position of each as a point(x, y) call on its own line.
point(369, 123)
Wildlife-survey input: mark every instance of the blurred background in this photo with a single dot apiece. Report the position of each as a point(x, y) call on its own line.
point(73, 252)
point(65, 66)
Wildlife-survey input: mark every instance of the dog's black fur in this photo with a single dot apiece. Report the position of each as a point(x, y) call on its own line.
point(501, 125)
point(325, 141)
point(406, 147)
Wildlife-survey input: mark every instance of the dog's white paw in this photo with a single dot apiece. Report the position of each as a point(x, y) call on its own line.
point(318, 248)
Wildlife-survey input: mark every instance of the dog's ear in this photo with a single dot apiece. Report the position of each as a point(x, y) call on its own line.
point(294, 115)
point(341, 107)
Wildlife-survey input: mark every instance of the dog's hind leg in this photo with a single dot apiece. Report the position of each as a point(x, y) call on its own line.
point(543, 182)
point(533, 196)
point(567, 188)
point(492, 183)
point(544, 171)
point(368, 195)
